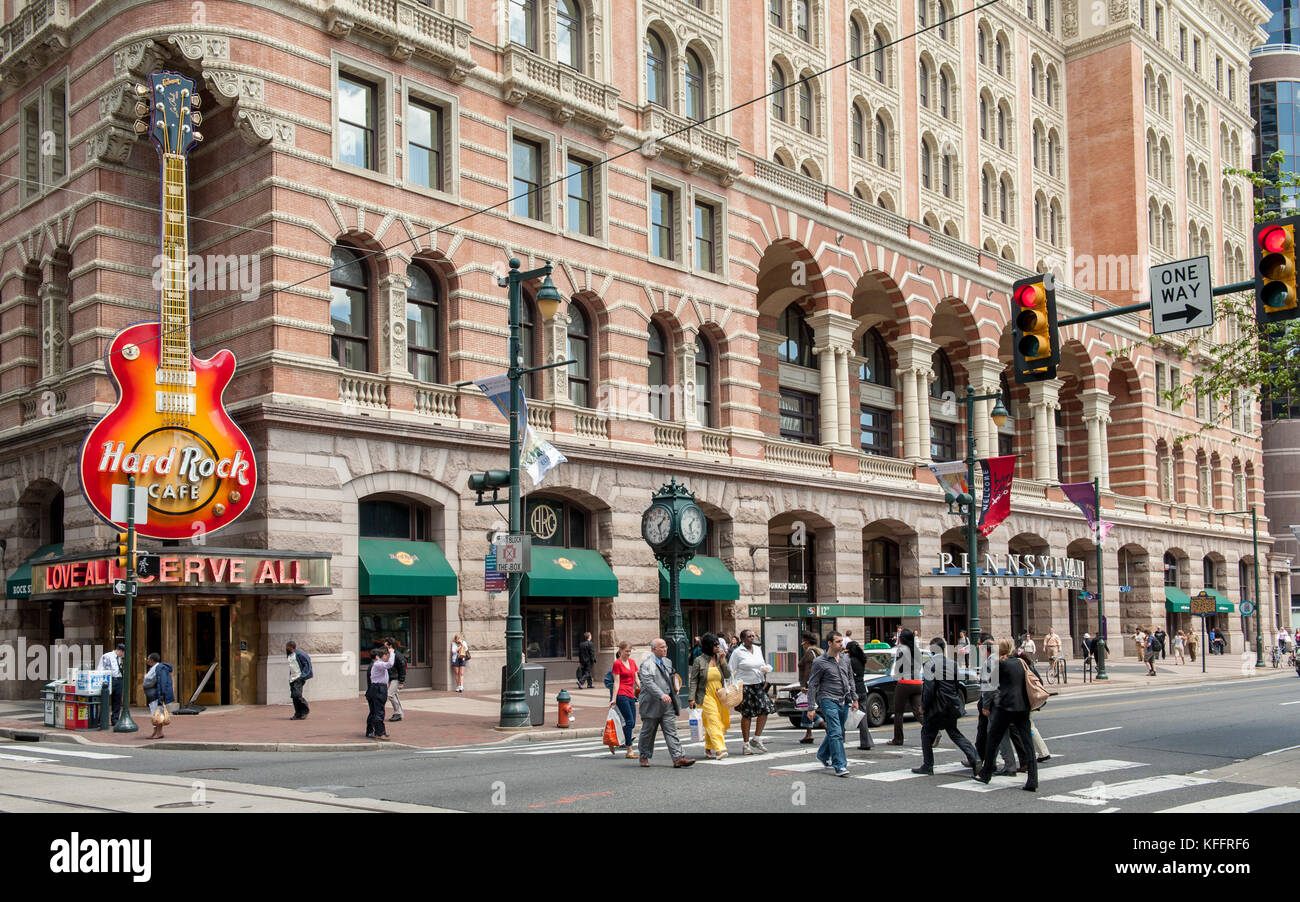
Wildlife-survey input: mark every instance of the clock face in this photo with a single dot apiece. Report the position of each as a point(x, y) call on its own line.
point(657, 524)
point(692, 525)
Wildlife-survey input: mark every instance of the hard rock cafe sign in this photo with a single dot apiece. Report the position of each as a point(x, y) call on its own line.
point(169, 428)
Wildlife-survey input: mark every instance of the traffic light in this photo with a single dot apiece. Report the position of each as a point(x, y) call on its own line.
point(1035, 341)
point(125, 553)
point(1275, 276)
point(492, 481)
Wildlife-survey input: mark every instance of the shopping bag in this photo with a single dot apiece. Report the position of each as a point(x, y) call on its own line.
point(801, 700)
point(611, 728)
point(853, 719)
point(695, 724)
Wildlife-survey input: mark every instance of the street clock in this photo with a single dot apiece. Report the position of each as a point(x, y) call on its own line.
point(673, 525)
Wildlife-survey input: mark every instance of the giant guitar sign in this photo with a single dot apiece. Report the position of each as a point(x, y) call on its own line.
point(169, 428)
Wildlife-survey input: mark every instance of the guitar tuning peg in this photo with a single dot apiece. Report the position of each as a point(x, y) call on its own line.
point(198, 136)
point(196, 118)
point(140, 127)
point(141, 90)
point(196, 101)
point(141, 108)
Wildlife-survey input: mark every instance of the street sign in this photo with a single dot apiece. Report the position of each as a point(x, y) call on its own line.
point(1247, 608)
point(514, 554)
point(1203, 604)
point(1181, 296)
point(119, 587)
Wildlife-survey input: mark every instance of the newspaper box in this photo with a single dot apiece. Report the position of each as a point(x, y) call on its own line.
point(92, 682)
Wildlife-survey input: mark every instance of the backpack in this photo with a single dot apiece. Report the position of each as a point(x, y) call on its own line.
point(609, 679)
point(1034, 688)
point(1156, 645)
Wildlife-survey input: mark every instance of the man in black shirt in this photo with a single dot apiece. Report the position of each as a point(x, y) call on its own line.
point(396, 678)
point(586, 661)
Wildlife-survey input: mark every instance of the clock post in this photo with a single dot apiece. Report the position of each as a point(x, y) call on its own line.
point(673, 526)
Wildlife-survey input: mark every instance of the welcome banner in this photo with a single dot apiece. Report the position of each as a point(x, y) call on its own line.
point(996, 506)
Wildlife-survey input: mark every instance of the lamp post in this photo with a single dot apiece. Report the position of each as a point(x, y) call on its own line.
point(514, 704)
point(1098, 644)
point(1259, 613)
point(967, 499)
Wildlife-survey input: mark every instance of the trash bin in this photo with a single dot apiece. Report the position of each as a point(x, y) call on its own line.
point(50, 702)
point(60, 703)
point(534, 692)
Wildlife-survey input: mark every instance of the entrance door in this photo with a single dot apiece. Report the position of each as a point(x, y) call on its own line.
point(204, 644)
point(1019, 612)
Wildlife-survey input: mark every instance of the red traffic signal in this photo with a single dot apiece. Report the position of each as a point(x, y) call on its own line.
point(1035, 342)
point(1275, 271)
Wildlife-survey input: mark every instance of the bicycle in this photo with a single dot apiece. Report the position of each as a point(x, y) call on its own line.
point(1056, 671)
point(1275, 655)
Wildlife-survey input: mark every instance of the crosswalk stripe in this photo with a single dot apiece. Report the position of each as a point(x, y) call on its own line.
point(1104, 794)
point(1241, 803)
point(26, 758)
point(738, 758)
point(71, 753)
point(893, 776)
point(1080, 769)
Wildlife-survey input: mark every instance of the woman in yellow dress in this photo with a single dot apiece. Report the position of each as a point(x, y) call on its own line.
point(708, 671)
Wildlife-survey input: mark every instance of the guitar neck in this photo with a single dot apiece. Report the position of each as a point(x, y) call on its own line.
point(174, 316)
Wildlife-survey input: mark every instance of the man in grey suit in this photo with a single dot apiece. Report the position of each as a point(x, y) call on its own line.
point(659, 706)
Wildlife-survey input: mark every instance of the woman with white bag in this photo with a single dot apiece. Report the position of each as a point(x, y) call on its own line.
point(709, 674)
point(751, 669)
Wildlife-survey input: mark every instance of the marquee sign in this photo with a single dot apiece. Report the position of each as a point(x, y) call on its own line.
point(192, 571)
point(1029, 571)
point(169, 428)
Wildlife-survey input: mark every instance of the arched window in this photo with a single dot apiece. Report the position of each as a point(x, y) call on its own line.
point(945, 183)
point(878, 58)
point(921, 19)
point(923, 84)
point(656, 70)
point(926, 164)
point(942, 28)
point(882, 143)
point(778, 93)
point(999, 57)
point(801, 19)
point(704, 382)
point(943, 94)
point(1171, 569)
point(350, 308)
point(985, 194)
point(1049, 89)
point(1002, 128)
point(859, 133)
point(568, 33)
point(694, 95)
point(1004, 201)
point(875, 365)
point(1051, 153)
point(855, 43)
point(805, 106)
point(523, 23)
point(882, 573)
point(982, 45)
point(1038, 217)
point(580, 352)
point(1033, 77)
point(423, 326)
point(943, 383)
point(797, 338)
point(527, 348)
point(660, 389)
point(984, 119)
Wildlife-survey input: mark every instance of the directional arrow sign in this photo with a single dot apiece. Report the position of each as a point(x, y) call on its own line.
point(1181, 296)
point(119, 587)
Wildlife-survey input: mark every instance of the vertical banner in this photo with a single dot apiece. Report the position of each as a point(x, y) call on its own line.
point(996, 505)
point(1084, 497)
point(951, 475)
point(538, 456)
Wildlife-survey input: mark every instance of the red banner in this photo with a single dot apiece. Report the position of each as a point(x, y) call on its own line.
point(997, 492)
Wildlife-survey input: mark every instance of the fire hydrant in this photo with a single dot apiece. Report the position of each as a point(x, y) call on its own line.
point(566, 708)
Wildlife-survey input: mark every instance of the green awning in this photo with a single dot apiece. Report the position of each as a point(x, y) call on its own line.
point(391, 567)
point(569, 573)
point(19, 584)
point(703, 579)
point(1222, 605)
point(1176, 601)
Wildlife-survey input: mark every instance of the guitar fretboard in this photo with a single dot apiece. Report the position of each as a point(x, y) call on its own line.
point(175, 314)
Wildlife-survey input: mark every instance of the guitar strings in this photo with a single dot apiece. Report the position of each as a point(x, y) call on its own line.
point(555, 181)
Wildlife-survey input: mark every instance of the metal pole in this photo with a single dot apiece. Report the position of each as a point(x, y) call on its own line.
point(124, 722)
point(676, 637)
point(1259, 611)
point(514, 706)
point(1098, 646)
point(972, 544)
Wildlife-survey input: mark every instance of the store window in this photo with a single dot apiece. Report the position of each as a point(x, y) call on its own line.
point(553, 630)
point(883, 574)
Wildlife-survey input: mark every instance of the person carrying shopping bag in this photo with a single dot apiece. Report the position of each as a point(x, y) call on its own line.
point(158, 692)
point(625, 675)
point(708, 673)
point(751, 669)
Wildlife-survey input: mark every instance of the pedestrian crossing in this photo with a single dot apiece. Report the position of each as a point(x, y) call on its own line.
point(37, 754)
point(886, 764)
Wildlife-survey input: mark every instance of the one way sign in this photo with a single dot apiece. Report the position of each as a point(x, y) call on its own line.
point(1181, 296)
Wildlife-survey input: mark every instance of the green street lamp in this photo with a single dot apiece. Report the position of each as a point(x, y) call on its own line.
point(1259, 613)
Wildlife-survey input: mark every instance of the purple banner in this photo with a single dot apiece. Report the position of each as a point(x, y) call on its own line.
point(1084, 496)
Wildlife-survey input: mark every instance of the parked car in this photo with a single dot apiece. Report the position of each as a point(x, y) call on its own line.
point(878, 704)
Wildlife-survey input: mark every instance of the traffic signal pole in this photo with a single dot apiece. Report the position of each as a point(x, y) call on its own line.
point(124, 722)
point(1216, 291)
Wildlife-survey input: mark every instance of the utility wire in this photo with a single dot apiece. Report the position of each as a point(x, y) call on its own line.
point(593, 166)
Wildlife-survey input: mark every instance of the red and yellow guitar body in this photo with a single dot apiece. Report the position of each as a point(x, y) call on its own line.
point(177, 440)
point(169, 428)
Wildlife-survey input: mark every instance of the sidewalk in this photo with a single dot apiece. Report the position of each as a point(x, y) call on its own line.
point(439, 719)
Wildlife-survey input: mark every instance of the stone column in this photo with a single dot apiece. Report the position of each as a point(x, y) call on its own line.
point(833, 337)
point(842, 378)
point(914, 359)
point(830, 406)
point(1043, 401)
point(985, 377)
point(391, 359)
point(1096, 414)
point(683, 401)
point(54, 329)
point(555, 347)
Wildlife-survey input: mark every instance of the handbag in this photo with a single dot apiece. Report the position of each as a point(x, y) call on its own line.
point(1034, 689)
point(731, 693)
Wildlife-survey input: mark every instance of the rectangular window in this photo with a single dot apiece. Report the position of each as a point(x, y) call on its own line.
point(662, 224)
point(1175, 380)
point(1006, 444)
point(705, 223)
point(1182, 43)
point(44, 145)
point(1232, 83)
point(1218, 74)
point(798, 416)
point(356, 125)
point(776, 12)
point(526, 192)
point(1196, 55)
point(32, 149)
point(1160, 24)
point(1161, 401)
point(580, 212)
point(877, 428)
point(424, 145)
point(943, 441)
point(1200, 404)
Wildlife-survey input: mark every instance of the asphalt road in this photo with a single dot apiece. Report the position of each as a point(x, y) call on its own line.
point(1141, 750)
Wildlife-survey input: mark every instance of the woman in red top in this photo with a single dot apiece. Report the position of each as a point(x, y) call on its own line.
point(625, 677)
